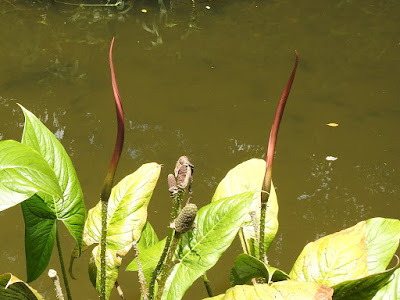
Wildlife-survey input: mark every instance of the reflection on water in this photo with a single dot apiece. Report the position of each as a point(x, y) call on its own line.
point(203, 79)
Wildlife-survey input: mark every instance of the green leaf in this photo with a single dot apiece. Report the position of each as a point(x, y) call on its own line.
point(148, 238)
point(150, 249)
point(245, 177)
point(248, 267)
point(283, 290)
point(69, 208)
point(148, 260)
point(126, 216)
point(391, 290)
point(350, 254)
point(148, 257)
point(23, 172)
point(40, 233)
point(199, 249)
point(277, 275)
point(382, 240)
point(13, 288)
point(364, 288)
point(334, 258)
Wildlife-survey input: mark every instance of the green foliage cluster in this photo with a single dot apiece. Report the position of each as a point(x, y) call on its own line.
point(38, 174)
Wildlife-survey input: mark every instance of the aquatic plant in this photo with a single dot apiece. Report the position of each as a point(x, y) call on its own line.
point(38, 174)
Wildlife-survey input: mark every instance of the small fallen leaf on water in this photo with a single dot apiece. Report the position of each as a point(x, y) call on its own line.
point(333, 124)
point(331, 158)
point(144, 10)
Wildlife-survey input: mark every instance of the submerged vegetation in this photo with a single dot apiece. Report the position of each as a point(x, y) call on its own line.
point(38, 174)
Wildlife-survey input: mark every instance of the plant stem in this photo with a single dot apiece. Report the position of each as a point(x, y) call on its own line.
point(167, 266)
point(270, 155)
point(108, 181)
point(64, 273)
point(207, 284)
point(177, 199)
point(143, 286)
point(103, 248)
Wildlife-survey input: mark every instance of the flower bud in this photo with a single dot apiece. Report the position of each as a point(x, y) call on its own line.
point(185, 220)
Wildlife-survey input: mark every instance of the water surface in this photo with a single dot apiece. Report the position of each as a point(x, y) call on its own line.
point(205, 82)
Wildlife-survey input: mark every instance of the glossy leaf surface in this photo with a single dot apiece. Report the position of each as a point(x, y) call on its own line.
point(41, 215)
point(382, 240)
point(364, 288)
point(283, 290)
point(349, 254)
point(69, 208)
point(245, 177)
point(126, 216)
point(12, 287)
point(248, 267)
point(23, 172)
point(40, 234)
point(391, 290)
point(199, 249)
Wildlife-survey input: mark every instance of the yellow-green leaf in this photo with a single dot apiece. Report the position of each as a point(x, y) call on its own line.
point(283, 290)
point(334, 258)
point(245, 177)
point(126, 216)
point(12, 287)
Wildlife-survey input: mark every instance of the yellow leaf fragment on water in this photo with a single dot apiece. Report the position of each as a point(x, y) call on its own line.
point(333, 124)
point(144, 10)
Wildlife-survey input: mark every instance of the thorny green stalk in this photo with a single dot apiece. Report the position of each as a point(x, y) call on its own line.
point(143, 286)
point(177, 199)
point(177, 183)
point(167, 265)
point(108, 181)
point(270, 156)
point(60, 256)
point(183, 223)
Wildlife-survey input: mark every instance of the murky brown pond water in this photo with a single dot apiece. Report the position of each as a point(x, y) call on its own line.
point(205, 83)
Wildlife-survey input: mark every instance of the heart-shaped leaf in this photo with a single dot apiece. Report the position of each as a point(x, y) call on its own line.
point(69, 208)
point(350, 254)
point(245, 177)
point(12, 287)
point(283, 290)
point(23, 172)
point(216, 226)
point(126, 216)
